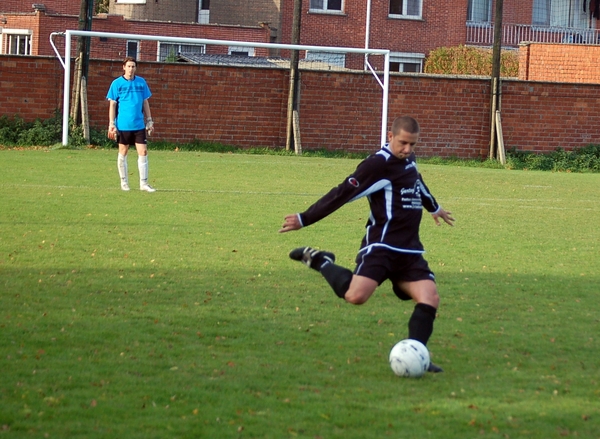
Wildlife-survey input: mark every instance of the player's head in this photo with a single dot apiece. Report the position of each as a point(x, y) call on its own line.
point(406, 123)
point(129, 59)
point(129, 67)
point(403, 136)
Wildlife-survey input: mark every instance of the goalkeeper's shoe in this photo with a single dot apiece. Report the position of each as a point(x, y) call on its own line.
point(124, 186)
point(434, 369)
point(146, 187)
point(312, 258)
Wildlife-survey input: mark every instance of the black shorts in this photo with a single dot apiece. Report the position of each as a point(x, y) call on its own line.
point(132, 137)
point(381, 264)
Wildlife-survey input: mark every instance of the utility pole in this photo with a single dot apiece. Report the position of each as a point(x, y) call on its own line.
point(495, 85)
point(293, 129)
point(79, 106)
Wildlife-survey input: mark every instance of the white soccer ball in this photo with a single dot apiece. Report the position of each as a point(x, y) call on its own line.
point(409, 358)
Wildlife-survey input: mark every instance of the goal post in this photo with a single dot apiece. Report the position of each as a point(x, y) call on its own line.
point(321, 57)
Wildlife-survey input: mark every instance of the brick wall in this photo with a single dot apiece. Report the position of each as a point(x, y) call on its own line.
point(30, 87)
point(69, 7)
point(247, 106)
point(559, 62)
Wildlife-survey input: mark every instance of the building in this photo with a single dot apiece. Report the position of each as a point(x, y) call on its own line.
point(266, 13)
point(410, 29)
point(413, 28)
point(25, 29)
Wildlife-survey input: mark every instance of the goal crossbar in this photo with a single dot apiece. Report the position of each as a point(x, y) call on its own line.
point(69, 34)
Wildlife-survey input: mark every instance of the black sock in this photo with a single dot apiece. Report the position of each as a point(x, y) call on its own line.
point(420, 325)
point(318, 261)
point(338, 277)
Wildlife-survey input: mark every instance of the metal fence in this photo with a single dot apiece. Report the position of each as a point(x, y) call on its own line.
point(482, 34)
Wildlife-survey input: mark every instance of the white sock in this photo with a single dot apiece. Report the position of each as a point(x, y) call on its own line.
point(122, 167)
point(143, 168)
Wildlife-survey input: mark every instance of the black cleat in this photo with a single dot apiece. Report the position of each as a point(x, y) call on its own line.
point(312, 258)
point(434, 369)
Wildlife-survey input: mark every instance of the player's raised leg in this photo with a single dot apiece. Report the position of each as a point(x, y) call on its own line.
point(354, 289)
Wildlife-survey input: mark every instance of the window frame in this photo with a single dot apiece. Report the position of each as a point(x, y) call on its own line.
point(203, 11)
point(6, 38)
point(137, 49)
point(161, 44)
point(325, 9)
point(407, 58)
point(552, 14)
point(470, 7)
point(539, 8)
point(404, 15)
point(239, 49)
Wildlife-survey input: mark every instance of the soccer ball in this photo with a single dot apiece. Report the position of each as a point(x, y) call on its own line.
point(409, 358)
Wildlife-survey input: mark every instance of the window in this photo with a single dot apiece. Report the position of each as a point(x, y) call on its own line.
point(168, 52)
point(133, 48)
point(479, 11)
point(203, 11)
point(406, 8)
point(326, 5)
point(541, 12)
point(560, 13)
point(329, 58)
point(241, 51)
point(15, 42)
point(131, 2)
point(406, 62)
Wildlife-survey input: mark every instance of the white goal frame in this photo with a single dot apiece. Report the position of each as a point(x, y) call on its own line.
point(69, 34)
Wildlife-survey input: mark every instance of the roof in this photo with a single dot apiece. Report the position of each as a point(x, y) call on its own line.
point(252, 61)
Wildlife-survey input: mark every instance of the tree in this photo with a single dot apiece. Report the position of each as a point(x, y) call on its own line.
point(101, 6)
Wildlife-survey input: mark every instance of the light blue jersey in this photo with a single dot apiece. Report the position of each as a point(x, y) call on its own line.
point(130, 96)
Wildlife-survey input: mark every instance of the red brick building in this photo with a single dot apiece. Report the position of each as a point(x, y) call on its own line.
point(25, 29)
point(410, 29)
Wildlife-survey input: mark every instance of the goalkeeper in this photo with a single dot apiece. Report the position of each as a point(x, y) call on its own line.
point(128, 104)
point(391, 248)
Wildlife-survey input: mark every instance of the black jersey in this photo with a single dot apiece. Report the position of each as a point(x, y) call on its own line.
point(396, 194)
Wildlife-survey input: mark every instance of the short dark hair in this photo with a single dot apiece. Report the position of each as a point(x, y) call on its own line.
point(128, 59)
point(406, 123)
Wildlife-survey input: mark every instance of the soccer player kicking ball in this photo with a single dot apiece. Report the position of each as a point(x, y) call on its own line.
point(391, 248)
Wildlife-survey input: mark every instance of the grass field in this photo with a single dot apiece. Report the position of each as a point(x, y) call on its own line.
point(179, 315)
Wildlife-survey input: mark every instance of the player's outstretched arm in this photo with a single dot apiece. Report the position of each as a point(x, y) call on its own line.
point(291, 222)
point(446, 216)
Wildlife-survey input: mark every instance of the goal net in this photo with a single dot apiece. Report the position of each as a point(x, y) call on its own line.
point(373, 63)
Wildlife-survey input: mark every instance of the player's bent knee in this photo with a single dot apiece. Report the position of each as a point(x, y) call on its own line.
point(361, 288)
point(356, 297)
point(355, 300)
point(431, 298)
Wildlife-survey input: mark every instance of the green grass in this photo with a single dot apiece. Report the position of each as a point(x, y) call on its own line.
point(179, 315)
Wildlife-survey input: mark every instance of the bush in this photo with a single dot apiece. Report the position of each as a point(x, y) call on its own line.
point(586, 159)
point(17, 132)
point(463, 60)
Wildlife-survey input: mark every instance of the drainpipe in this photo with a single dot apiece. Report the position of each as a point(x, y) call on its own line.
point(367, 30)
